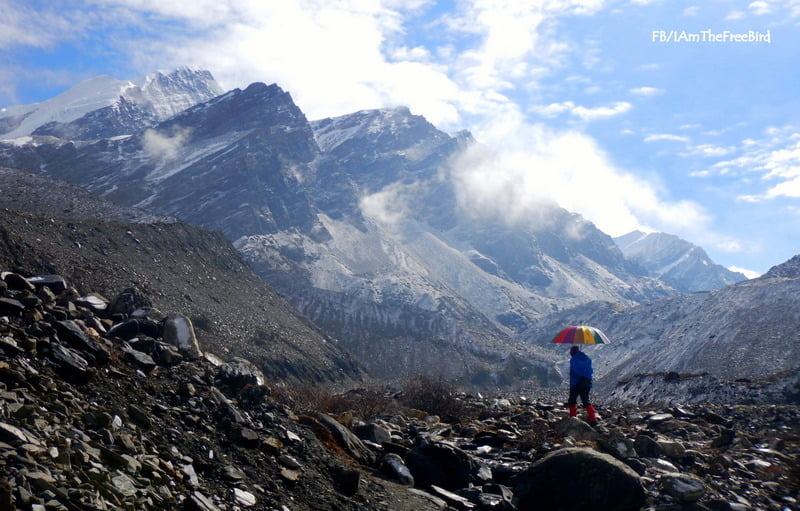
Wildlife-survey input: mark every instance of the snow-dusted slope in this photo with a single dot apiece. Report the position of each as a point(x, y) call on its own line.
point(681, 264)
point(743, 331)
point(161, 94)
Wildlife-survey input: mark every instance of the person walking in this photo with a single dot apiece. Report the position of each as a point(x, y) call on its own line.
point(580, 384)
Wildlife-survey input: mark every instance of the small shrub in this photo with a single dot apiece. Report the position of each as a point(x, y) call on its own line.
point(365, 403)
point(434, 396)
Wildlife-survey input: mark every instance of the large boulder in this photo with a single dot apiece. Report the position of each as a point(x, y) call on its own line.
point(239, 372)
point(440, 464)
point(334, 434)
point(179, 332)
point(578, 478)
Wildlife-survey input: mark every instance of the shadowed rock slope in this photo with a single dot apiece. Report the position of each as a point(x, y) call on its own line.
point(185, 269)
point(31, 193)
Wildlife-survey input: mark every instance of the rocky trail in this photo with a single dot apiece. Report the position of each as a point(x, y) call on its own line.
point(107, 404)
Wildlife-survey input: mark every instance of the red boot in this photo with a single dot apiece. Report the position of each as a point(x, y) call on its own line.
point(573, 410)
point(592, 413)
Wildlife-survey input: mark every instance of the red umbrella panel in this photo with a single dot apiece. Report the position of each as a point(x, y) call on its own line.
point(581, 335)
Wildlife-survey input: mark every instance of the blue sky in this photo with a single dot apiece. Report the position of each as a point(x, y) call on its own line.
point(584, 102)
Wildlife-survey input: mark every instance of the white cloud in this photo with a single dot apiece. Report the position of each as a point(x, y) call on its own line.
point(646, 91)
point(666, 137)
point(710, 150)
point(750, 274)
point(760, 8)
point(163, 146)
point(534, 165)
point(386, 207)
point(582, 112)
point(21, 26)
point(603, 112)
point(776, 158)
point(691, 11)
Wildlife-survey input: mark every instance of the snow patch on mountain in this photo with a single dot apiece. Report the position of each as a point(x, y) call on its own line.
point(679, 263)
point(330, 133)
point(163, 93)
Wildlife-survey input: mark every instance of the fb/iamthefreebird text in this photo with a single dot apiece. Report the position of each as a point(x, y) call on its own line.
point(710, 36)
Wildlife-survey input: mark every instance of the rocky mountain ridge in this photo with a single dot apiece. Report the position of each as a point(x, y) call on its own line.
point(683, 265)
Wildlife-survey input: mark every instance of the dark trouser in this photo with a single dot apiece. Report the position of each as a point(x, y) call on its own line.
point(581, 389)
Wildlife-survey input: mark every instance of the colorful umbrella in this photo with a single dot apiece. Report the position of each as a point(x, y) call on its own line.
point(581, 335)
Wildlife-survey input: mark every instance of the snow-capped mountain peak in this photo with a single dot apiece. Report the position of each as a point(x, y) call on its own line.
point(160, 94)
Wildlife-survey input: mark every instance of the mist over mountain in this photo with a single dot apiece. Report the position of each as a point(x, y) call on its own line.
point(372, 226)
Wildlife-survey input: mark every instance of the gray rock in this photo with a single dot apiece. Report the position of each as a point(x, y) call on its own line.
point(93, 301)
point(684, 487)
point(244, 498)
point(392, 465)
point(179, 332)
point(672, 449)
point(10, 306)
point(574, 479)
point(239, 372)
point(71, 333)
point(647, 446)
point(138, 359)
point(17, 282)
point(576, 428)
point(347, 480)
point(125, 330)
point(128, 301)
point(440, 464)
point(55, 283)
point(372, 432)
point(340, 434)
point(453, 500)
point(70, 361)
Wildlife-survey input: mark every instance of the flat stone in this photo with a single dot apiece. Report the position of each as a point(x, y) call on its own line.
point(17, 282)
point(453, 500)
point(684, 487)
point(10, 433)
point(11, 306)
point(244, 498)
point(54, 283)
point(290, 475)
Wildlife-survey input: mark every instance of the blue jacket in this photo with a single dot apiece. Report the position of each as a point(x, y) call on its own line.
point(580, 366)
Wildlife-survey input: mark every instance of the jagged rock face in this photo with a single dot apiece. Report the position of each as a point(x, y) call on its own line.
point(788, 270)
point(232, 164)
point(27, 192)
point(682, 265)
point(124, 117)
